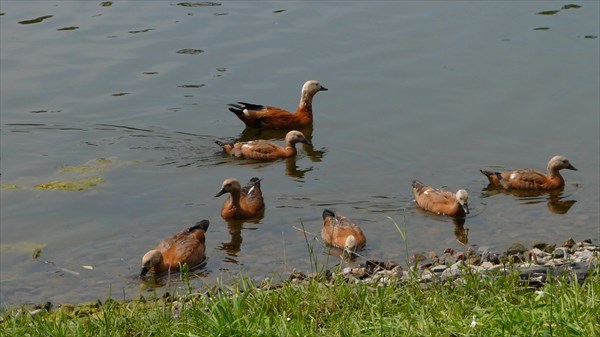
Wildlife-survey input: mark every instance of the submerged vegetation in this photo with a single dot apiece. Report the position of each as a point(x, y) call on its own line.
point(480, 304)
point(82, 174)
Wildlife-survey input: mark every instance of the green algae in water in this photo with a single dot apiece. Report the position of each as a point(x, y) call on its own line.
point(11, 187)
point(22, 247)
point(75, 185)
point(92, 166)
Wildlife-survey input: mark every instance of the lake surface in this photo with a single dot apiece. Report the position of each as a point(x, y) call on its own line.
point(133, 94)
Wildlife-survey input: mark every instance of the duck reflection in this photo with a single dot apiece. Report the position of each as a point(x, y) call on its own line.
point(460, 232)
point(234, 246)
point(554, 199)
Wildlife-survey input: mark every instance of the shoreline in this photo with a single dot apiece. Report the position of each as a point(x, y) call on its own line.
point(534, 265)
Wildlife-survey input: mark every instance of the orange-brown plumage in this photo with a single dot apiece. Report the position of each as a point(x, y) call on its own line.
point(186, 247)
point(338, 231)
point(262, 149)
point(270, 117)
point(243, 203)
point(529, 179)
point(441, 201)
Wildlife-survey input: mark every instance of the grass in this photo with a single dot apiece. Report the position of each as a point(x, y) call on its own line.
point(477, 306)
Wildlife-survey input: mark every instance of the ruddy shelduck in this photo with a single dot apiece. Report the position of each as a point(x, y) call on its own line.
point(270, 117)
point(338, 231)
point(529, 179)
point(262, 149)
point(243, 203)
point(185, 247)
point(441, 201)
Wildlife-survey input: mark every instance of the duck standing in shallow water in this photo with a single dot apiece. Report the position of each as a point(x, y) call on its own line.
point(338, 231)
point(262, 149)
point(529, 179)
point(270, 117)
point(243, 203)
point(440, 201)
point(186, 247)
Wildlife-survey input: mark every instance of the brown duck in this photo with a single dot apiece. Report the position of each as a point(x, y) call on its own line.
point(270, 117)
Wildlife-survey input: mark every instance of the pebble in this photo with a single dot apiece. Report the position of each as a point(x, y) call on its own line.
point(533, 264)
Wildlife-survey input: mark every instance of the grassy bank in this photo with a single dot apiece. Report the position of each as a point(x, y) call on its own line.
point(474, 305)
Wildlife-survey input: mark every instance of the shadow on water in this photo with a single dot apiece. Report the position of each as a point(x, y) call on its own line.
point(554, 199)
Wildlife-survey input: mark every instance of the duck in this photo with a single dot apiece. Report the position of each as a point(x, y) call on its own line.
point(338, 231)
point(262, 149)
point(243, 203)
point(529, 179)
point(270, 117)
point(185, 247)
point(440, 201)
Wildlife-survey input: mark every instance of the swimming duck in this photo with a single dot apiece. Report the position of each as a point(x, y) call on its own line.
point(441, 201)
point(338, 231)
point(262, 149)
point(529, 179)
point(270, 117)
point(186, 247)
point(243, 203)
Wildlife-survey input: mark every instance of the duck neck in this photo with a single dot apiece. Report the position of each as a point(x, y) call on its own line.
point(291, 149)
point(235, 198)
point(306, 103)
point(554, 174)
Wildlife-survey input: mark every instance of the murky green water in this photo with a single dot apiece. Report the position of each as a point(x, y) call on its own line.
point(131, 96)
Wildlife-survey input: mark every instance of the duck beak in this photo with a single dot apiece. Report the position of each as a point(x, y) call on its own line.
point(144, 271)
point(466, 208)
point(571, 167)
point(221, 192)
point(306, 141)
point(323, 89)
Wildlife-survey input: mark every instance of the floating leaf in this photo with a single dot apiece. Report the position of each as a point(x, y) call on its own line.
point(199, 4)
point(190, 51)
point(36, 20)
point(88, 267)
point(68, 28)
point(548, 12)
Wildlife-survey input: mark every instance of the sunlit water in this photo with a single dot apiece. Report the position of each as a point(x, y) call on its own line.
point(417, 90)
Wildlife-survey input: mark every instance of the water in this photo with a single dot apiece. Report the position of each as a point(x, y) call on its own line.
point(417, 90)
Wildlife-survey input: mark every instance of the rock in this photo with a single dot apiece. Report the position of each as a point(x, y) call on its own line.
point(433, 256)
point(439, 268)
point(560, 253)
point(517, 258)
point(474, 259)
point(516, 248)
point(487, 265)
point(459, 256)
point(568, 243)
